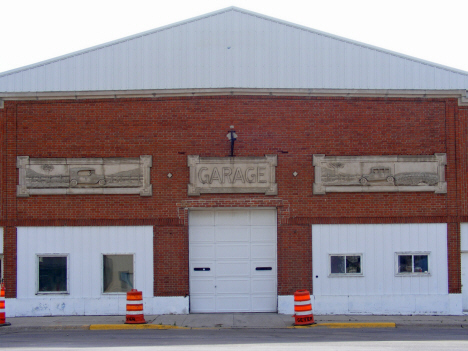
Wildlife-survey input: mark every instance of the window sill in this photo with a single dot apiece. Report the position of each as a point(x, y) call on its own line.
point(113, 293)
point(347, 275)
point(53, 293)
point(413, 275)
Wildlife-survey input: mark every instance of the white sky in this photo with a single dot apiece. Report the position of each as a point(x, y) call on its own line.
point(37, 30)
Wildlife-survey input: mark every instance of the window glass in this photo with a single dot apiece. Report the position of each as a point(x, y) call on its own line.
point(410, 263)
point(345, 264)
point(420, 264)
point(117, 273)
point(337, 264)
point(353, 264)
point(52, 274)
point(405, 263)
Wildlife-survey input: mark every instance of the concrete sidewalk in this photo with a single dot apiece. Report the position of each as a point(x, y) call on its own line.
point(229, 321)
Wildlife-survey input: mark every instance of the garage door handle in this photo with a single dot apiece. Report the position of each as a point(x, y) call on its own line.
point(263, 269)
point(202, 269)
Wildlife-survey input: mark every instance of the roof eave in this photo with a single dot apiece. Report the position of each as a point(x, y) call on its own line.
point(461, 95)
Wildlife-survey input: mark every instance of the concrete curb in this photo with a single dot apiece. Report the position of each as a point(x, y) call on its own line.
point(48, 327)
point(348, 325)
point(135, 326)
point(165, 327)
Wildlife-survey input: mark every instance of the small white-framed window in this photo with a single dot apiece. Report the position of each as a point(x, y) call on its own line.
point(117, 273)
point(345, 265)
point(412, 263)
point(52, 274)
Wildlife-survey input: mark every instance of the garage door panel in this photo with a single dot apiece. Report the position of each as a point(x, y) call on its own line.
point(266, 303)
point(264, 286)
point(202, 234)
point(232, 269)
point(202, 251)
point(202, 218)
point(205, 304)
point(263, 251)
point(237, 217)
point(202, 286)
point(263, 234)
point(233, 286)
point(233, 303)
point(232, 251)
point(264, 217)
point(232, 234)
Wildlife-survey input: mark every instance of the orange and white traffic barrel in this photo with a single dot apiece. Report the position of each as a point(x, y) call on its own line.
point(2, 306)
point(134, 307)
point(303, 308)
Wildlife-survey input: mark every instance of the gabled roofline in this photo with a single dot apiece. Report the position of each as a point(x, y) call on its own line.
point(233, 8)
point(354, 42)
point(115, 42)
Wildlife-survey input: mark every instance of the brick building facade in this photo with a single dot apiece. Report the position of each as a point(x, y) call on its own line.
point(345, 247)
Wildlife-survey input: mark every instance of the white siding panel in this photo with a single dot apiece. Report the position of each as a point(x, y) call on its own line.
point(378, 245)
point(85, 246)
point(1, 240)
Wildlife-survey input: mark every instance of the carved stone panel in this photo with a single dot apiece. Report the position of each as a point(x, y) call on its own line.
point(379, 173)
point(232, 175)
point(56, 176)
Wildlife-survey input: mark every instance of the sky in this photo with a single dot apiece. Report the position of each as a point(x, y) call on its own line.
point(32, 31)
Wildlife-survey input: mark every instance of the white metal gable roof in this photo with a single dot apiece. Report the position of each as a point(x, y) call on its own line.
point(231, 48)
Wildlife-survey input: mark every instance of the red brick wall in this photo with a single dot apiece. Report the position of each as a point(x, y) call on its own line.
point(294, 259)
point(171, 272)
point(294, 128)
point(462, 161)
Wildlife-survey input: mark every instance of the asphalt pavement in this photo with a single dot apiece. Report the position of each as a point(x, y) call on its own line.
point(231, 321)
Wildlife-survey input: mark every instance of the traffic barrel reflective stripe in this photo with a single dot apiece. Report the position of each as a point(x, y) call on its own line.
point(307, 308)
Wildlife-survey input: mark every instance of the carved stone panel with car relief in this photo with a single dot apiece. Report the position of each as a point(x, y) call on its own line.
point(55, 176)
point(379, 173)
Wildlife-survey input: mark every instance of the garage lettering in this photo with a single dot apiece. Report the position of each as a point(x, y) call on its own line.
point(231, 175)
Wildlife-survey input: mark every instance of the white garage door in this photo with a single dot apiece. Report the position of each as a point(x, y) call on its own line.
point(233, 261)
